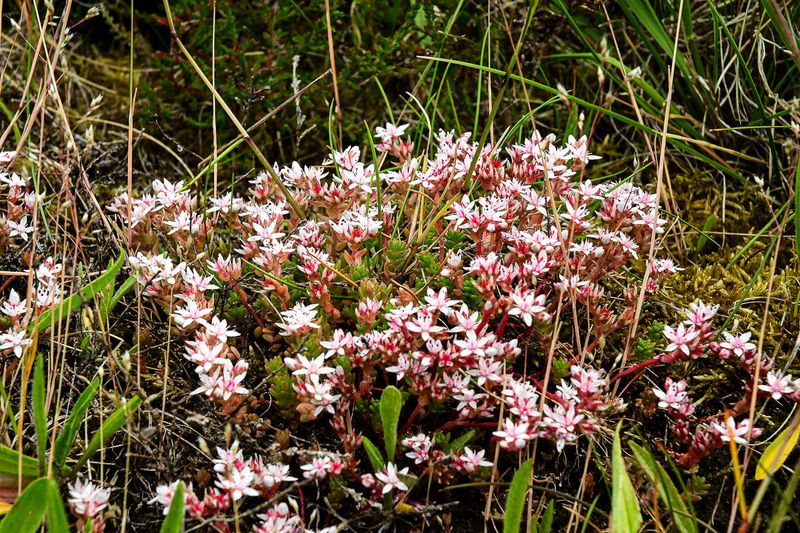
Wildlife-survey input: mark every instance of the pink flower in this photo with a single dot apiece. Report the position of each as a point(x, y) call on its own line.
point(86, 499)
point(513, 436)
point(299, 320)
point(675, 396)
point(470, 461)
point(778, 384)
point(680, 339)
point(729, 428)
point(390, 478)
point(526, 305)
point(738, 344)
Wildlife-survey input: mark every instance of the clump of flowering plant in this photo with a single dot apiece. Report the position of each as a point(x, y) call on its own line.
point(485, 282)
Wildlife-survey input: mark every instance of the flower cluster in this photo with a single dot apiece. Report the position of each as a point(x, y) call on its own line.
point(87, 502)
point(237, 478)
point(18, 312)
point(485, 282)
point(20, 203)
point(694, 339)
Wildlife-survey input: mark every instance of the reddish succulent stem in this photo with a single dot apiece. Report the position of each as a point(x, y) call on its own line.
point(243, 298)
point(464, 423)
point(411, 418)
point(501, 328)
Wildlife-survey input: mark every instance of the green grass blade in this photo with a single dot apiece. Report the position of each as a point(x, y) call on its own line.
point(666, 489)
point(9, 463)
point(39, 411)
point(625, 514)
point(785, 501)
point(515, 503)
point(67, 435)
point(109, 427)
point(173, 523)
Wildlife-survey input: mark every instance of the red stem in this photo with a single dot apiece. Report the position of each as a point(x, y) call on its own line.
point(243, 298)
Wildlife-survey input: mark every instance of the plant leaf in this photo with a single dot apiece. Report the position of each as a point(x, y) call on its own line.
point(109, 427)
point(109, 303)
point(28, 511)
point(75, 300)
point(173, 523)
point(56, 516)
point(373, 454)
point(667, 490)
point(625, 514)
point(39, 413)
point(9, 463)
point(458, 444)
point(777, 452)
point(391, 403)
point(515, 502)
point(547, 518)
point(67, 436)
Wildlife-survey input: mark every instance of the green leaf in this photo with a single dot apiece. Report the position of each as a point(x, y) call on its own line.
point(391, 403)
point(173, 523)
point(67, 436)
point(797, 208)
point(56, 516)
point(458, 444)
point(74, 301)
point(702, 239)
point(515, 503)
point(373, 454)
point(778, 451)
point(28, 510)
point(39, 412)
point(666, 489)
point(625, 514)
point(109, 427)
point(547, 519)
point(109, 302)
point(9, 463)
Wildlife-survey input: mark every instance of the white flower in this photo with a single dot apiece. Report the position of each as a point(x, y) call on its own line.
point(16, 341)
point(391, 480)
point(87, 499)
point(299, 319)
point(777, 385)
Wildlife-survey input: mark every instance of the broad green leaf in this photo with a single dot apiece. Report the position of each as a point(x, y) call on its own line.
point(625, 514)
point(777, 452)
point(173, 523)
point(666, 489)
point(74, 301)
point(67, 436)
point(56, 516)
point(458, 444)
point(29, 509)
point(515, 503)
point(109, 427)
point(9, 463)
point(39, 412)
point(391, 403)
point(373, 454)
